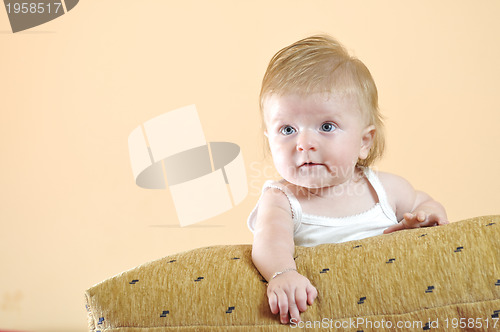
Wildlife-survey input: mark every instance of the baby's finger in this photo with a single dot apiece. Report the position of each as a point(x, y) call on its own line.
point(293, 309)
point(421, 216)
point(273, 302)
point(301, 299)
point(399, 226)
point(443, 222)
point(312, 294)
point(408, 216)
point(411, 220)
point(435, 219)
point(283, 305)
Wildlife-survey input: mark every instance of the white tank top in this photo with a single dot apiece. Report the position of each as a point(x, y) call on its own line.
point(311, 230)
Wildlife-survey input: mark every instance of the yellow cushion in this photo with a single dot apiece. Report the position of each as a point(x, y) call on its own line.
point(438, 277)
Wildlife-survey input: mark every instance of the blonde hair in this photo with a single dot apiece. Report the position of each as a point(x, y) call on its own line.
point(321, 64)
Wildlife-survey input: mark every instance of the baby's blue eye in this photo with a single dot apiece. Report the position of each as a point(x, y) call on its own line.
point(328, 126)
point(287, 130)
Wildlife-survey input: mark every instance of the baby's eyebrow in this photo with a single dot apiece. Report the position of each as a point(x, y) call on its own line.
point(279, 119)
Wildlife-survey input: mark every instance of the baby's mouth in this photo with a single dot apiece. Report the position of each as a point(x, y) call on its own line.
point(310, 164)
point(310, 168)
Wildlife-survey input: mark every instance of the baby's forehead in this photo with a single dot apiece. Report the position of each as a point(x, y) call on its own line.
point(278, 107)
point(320, 101)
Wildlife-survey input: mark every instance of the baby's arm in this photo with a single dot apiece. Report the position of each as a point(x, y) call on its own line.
point(272, 252)
point(414, 208)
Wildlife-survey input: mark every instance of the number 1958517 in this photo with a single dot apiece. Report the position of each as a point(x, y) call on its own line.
point(33, 7)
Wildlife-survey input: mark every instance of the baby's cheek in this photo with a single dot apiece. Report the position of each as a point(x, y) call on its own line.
point(283, 168)
point(287, 171)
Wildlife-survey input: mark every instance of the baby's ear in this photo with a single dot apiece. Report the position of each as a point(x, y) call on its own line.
point(366, 141)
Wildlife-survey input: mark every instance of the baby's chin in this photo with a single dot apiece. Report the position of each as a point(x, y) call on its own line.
point(314, 177)
point(310, 182)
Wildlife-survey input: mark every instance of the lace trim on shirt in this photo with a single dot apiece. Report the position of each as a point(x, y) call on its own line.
point(361, 214)
point(287, 197)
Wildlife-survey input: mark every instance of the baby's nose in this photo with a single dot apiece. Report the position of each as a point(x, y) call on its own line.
point(306, 142)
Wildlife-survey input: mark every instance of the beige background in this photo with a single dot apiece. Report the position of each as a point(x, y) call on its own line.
point(73, 89)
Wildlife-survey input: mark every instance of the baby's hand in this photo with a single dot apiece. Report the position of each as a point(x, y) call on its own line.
point(289, 294)
point(418, 219)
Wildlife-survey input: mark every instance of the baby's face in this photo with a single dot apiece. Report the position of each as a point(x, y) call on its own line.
point(316, 140)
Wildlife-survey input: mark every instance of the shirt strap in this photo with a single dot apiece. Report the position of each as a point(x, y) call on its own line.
point(381, 193)
point(295, 207)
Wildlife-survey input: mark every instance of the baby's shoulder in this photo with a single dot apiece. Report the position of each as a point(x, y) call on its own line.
point(274, 196)
point(399, 191)
point(392, 181)
point(394, 184)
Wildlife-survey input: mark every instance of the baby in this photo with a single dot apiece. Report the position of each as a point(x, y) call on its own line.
point(320, 112)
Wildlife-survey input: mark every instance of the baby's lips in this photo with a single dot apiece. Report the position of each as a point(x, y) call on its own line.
point(311, 164)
